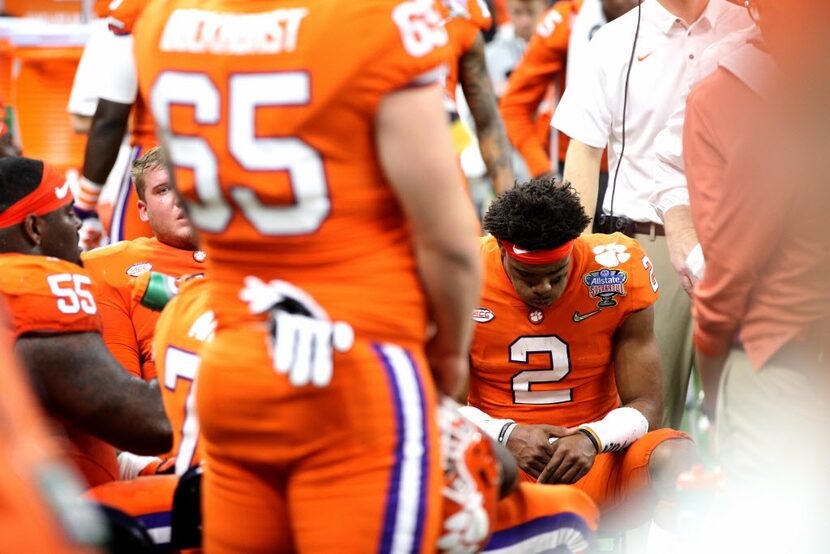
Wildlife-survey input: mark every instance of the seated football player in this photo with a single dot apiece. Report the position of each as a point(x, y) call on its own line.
point(481, 503)
point(565, 370)
point(128, 326)
point(57, 328)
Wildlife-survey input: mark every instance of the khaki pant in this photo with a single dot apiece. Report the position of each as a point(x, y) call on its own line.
point(771, 442)
point(673, 329)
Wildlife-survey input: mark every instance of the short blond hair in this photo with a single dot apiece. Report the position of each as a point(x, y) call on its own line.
point(152, 159)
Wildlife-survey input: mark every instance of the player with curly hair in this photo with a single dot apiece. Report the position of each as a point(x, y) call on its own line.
point(565, 370)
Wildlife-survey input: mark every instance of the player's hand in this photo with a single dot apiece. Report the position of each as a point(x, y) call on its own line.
point(531, 446)
point(92, 233)
point(304, 338)
point(449, 371)
point(573, 456)
point(681, 238)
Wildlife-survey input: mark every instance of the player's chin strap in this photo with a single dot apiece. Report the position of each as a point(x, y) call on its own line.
point(618, 429)
point(497, 429)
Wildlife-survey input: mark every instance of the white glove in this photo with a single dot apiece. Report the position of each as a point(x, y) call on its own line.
point(303, 343)
point(92, 234)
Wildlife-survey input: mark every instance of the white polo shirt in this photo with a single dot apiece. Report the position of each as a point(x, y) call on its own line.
point(665, 67)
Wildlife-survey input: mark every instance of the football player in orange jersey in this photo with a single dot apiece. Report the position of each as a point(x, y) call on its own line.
point(477, 473)
point(465, 21)
point(118, 107)
point(57, 327)
point(38, 491)
point(527, 104)
point(128, 326)
point(564, 367)
point(311, 146)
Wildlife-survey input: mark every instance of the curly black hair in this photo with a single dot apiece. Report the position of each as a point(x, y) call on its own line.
point(537, 215)
point(18, 178)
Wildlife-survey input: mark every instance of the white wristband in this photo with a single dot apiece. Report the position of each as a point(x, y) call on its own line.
point(497, 429)
point(618, 429)
point(130, 465)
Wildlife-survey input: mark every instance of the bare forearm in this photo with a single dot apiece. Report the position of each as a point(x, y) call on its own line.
point(582, 165)
point(81, 383)
point(638, 368)
point(679, 225)
point(480, 96)
point(495, 151)
point(451, 280)
point(109, 124)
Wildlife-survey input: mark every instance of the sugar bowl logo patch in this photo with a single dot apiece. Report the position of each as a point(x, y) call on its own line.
point(483, 315)
point(605, 284)
point(137, 269)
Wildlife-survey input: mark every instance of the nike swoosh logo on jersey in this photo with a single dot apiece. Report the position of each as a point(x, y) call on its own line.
point(582, 317)
point(61, 191)
point(641, 58)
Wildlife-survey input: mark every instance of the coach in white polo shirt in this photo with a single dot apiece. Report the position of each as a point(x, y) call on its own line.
point(672, 38)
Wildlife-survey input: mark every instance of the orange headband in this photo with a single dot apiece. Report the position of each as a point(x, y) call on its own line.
point(52, 193)
point(538, 257)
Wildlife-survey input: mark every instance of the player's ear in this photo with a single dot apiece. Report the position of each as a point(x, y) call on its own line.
point(34, 227)
point(142, 211)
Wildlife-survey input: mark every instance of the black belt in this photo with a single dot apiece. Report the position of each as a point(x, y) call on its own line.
point(629, 227)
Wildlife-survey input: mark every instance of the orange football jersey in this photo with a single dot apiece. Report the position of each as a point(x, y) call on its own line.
point(183, 326)
point(464, 19)
point(555, 365)
point(128, 326)
point(527, 103)
point(256, 140)
point(122, 19)
point(51, 296)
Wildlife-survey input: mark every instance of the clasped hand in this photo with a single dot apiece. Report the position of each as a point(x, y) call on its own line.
point(552, 454)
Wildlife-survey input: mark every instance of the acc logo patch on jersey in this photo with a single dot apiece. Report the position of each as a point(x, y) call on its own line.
point(483, 315)
point(138, 269)
point(605, 284)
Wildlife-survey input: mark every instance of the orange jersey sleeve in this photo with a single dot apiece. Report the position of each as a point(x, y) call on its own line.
point(531, 82)
point(123, 15)
point(465, 19)
point(290, 185)
point(122, 18)
point(127, 326)
point(183, 326)
point(47, 295)
point(555, 365)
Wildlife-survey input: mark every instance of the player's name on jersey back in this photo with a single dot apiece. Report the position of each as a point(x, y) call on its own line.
point(199, 31)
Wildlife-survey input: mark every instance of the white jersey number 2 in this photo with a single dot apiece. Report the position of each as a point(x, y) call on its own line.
point(246, 93)
point(560, 367)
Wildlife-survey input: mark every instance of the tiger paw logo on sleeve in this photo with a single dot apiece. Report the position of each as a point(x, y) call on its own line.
point(611, 254)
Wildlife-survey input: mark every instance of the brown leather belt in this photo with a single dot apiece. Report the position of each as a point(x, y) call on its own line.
point(622, 224)
point(648, 228)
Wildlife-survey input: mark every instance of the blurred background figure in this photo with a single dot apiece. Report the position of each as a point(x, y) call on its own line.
point(636, 72)
point(755, 141)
